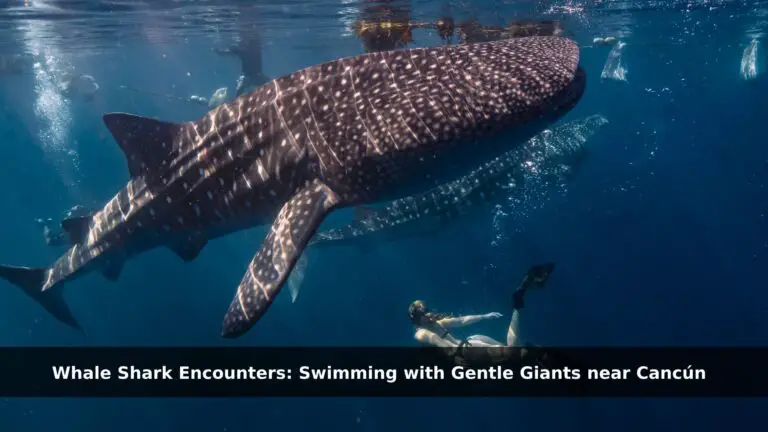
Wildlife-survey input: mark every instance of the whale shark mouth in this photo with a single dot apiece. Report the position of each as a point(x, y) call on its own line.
point(571, 94)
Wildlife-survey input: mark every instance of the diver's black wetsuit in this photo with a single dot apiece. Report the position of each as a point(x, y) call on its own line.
point(248, 50)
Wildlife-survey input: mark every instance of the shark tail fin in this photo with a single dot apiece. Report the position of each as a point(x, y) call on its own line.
point(296, 279)
point(31, 280)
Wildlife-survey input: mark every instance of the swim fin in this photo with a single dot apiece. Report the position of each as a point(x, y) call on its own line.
point(537, 276)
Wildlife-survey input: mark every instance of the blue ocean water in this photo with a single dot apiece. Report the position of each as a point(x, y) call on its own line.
point(661, 239)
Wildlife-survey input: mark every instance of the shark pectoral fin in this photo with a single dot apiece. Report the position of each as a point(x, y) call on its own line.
point(296, 279)
point(112, 270)
point(31, 280)
point(148, 144)
point(76, 227)
point(290, 232)
point(191, 248)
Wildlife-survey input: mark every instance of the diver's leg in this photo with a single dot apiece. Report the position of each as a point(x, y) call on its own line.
point(483, 341)
point(514, 323)
point(517, 305)
point(512, 330)
point(536, 277)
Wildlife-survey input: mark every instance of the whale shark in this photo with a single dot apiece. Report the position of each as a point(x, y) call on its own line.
point(549, 159)
point(349, 132)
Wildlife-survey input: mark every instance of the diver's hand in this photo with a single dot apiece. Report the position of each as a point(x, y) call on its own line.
point(492, 315)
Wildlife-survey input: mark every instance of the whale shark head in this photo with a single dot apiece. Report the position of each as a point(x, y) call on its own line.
point(515, 87)
point(521, 83)
point(535, 76)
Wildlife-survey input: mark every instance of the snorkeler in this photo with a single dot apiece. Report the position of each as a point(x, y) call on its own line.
point(473, 32)
point(608, 40)
point(248, 50)
point(52, 238)
point(59, 237)
point(219, 97)
point(383, 27)
point(74, 84)
point(445, 28)
point(432, 328)
point(528, 28)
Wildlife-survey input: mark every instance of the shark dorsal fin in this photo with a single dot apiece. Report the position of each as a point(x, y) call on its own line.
point(148, 144)
point(76, 227)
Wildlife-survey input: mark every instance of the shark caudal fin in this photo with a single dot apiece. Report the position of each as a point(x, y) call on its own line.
point(291, 230)
point(31, 280)
point(296, 279)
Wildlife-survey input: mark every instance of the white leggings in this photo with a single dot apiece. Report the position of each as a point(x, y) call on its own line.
point(485, 341)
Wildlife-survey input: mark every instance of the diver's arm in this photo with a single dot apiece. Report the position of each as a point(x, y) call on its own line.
point(466, 320)
point(427, 337)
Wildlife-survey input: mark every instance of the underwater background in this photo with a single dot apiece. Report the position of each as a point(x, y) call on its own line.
point(660, 240)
